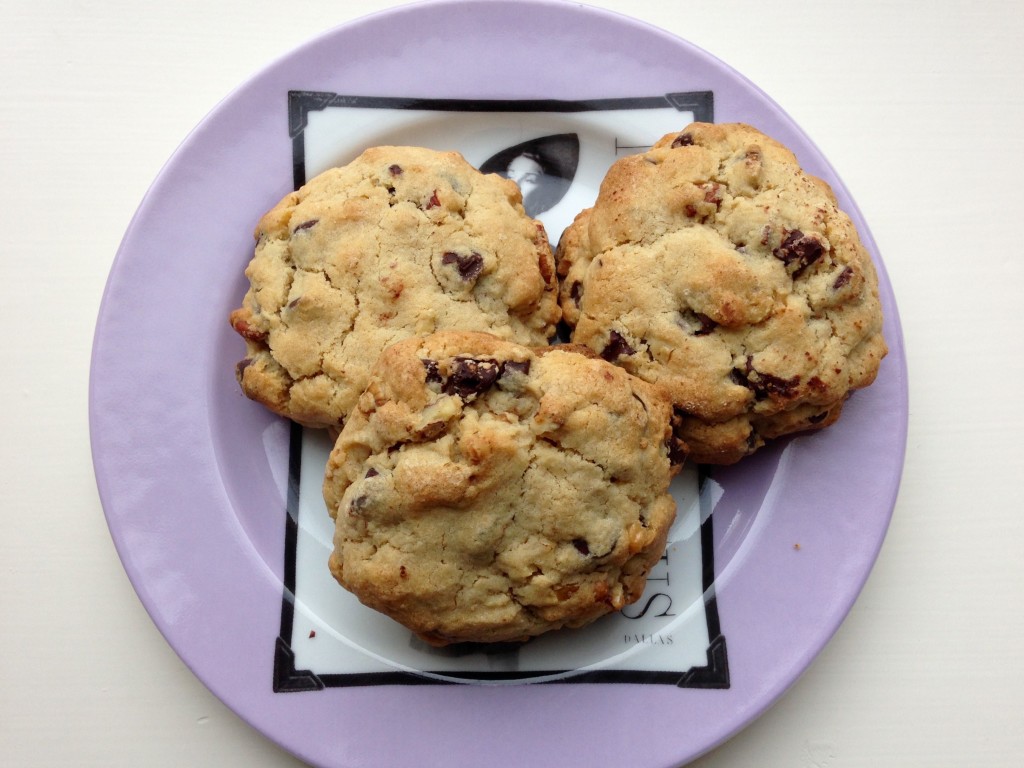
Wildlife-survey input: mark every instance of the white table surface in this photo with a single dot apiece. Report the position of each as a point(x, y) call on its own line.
point(919, 107)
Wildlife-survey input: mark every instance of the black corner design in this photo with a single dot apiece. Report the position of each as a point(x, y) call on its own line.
point(288, 679)
point(715, 674)
point(701, 103)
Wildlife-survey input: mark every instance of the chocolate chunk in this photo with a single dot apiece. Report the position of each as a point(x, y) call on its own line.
point(707, 325)
point(581, 546)
point(371, 472)
point(305, 225)
point(617, 346)
point(844, 277)
point(677, 448)
point(576, 293)
point(764, 385)
point(471, 377)
point(682, 140)
point(753, 441)
point(395, 170)
point(432, 373)
point(778, 386)
point(469, 267)
point(358, 505)
point(517, 367)
point(696, 323)
point(739, 377)
point(676, 451)
point(798, 251)
point(712, 193)
point(242, 365)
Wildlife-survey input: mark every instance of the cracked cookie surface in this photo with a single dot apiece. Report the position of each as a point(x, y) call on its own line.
point(484, 491)
point(715, 266)
point(401, 241)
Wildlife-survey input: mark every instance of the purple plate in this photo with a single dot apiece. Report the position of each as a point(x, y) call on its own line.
point(199, 484)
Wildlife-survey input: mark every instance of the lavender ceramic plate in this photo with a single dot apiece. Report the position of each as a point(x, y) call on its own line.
point(213, 503)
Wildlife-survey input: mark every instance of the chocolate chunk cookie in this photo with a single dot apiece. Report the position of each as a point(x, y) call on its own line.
point(716, 267)
point(485, 491)
point(401, 241)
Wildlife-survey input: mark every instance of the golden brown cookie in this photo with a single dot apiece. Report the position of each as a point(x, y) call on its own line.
point(401, 241)
point(715, 267)
point(485, 491)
